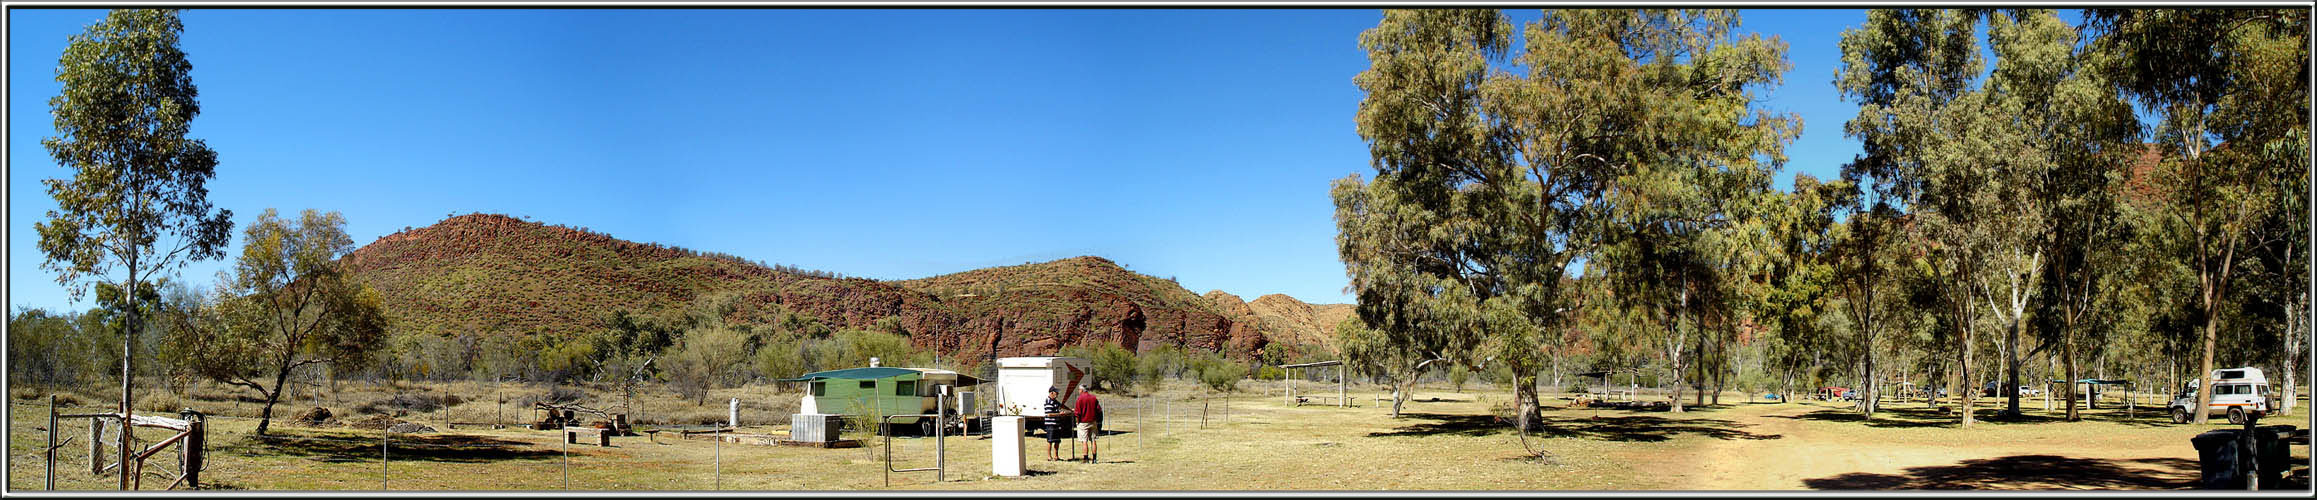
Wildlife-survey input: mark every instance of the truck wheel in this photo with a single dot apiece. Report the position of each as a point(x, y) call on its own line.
point(2179, 415)
point(2237, 416)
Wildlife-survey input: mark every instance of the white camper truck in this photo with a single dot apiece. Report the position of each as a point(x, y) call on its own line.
point(2236, 392)
point(1022, 384)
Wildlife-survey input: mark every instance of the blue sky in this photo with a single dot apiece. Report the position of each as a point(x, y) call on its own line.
point(885, 144)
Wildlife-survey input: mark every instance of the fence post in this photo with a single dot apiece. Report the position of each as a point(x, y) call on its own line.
point(566, 456)
point(719, 459)
point(382, 455)
point(49, 471)
point(190, 450)
point(96, 446)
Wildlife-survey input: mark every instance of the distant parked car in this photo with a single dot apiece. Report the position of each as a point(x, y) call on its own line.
point(1988, 390)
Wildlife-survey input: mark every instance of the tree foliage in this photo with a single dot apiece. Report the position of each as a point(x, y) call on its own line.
point(2230, 88)
point(138, 199)
point(285, 305)
point(1494, 170)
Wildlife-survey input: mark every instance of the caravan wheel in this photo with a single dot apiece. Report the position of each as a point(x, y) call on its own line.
point(925, 427)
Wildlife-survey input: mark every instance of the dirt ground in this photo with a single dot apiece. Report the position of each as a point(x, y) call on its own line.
point(1914, 448)
point(1446, 440)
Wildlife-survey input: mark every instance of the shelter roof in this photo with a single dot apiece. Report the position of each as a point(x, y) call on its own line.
point(854, 373)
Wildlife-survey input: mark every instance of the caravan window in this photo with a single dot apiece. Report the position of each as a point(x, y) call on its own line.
point(905, 388)
point(869, 384)
point(820, 388)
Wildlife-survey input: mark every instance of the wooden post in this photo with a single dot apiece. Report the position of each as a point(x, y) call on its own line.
point(191, 450)
point(96, 446)
point(1342, 388)
point(49, 471)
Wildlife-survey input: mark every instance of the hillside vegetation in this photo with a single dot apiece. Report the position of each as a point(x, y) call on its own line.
point(494, 275)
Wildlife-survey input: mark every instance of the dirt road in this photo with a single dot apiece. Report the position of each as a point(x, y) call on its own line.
point(1824, 446)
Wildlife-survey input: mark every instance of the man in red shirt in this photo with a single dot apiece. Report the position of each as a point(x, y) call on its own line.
point(1089, 411)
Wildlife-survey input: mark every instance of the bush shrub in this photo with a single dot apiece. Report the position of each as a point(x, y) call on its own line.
point(1218, 374)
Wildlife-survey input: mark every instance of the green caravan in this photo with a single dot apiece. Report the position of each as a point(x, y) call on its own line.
point(879, 391)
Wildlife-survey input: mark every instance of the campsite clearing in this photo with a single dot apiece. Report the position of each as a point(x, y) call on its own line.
point(1446, 440)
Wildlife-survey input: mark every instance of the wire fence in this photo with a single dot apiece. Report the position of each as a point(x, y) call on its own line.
point(297, 456)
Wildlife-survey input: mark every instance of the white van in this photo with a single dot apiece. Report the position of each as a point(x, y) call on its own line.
point(1022, 384)
point(2237, 391)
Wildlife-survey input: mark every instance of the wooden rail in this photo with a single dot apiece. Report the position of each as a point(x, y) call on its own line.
point(189, 440)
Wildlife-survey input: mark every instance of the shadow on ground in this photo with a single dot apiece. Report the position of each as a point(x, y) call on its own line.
point(2026, 472)
point(410, 447)
point(1890, 417)
point(1642, 428)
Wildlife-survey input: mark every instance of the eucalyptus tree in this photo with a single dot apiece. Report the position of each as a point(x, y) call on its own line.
point(287, 304)
point(1397, 364)
point(1800, 274)
point(138, 200)
point(2230, 88)
point(1939, 149)
point(2069, 133)
point(1493, 170)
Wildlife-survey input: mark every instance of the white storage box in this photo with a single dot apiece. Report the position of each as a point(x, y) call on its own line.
point(1006, 446)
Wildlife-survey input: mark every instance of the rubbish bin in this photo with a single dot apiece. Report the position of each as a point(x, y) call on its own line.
point(2216, 455)
point(2276, 455)
point(2219, 451)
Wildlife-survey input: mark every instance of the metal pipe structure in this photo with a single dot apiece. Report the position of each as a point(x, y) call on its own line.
point(939, 449)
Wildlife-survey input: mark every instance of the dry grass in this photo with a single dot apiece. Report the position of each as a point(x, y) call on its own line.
point(1158, 443)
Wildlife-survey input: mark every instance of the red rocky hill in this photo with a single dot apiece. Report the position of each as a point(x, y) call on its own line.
point(504, 276)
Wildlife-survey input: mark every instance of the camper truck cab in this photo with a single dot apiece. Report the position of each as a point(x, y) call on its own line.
point(2237, 392)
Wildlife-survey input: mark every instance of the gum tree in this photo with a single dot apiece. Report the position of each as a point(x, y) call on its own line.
point(2230, 91)
point(286, 305)
point(1494, 170)
point(1932, 154)
point(137, 205)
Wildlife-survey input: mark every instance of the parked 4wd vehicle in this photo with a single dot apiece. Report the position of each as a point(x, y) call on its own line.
point(2237, 392)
